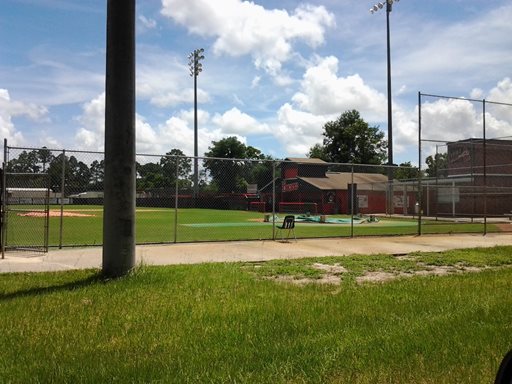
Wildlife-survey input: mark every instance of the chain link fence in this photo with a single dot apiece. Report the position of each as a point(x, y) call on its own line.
point(468, 179)
point(55, 198)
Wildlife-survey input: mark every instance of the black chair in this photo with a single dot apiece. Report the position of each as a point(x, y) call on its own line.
point(289, 225)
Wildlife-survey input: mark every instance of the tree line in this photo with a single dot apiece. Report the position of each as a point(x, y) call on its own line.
point(348, 139)
point(42, 168)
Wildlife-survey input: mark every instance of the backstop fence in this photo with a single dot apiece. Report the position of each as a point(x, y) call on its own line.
point(465, 146)
point(54, 198)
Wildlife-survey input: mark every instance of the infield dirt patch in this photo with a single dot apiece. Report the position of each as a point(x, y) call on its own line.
point(54, 213)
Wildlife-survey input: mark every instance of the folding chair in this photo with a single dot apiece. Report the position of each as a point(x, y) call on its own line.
point(288, 224)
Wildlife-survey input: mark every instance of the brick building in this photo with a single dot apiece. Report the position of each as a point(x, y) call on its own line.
point(472, 165)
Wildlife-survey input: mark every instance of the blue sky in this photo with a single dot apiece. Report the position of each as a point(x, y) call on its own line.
point(274, 72)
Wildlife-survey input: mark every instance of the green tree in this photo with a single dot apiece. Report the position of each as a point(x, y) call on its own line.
point(405, 171)
point(350, 139)
point(261, 172)
point(77, 175)
point(317, 151)
point(26, 162)
point(437, 165)
point(45, 156)
point(97, 174)
point(172, 159)
point(231, 175)
point(150, 175)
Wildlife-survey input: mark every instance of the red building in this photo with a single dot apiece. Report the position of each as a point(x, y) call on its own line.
point(309, 181)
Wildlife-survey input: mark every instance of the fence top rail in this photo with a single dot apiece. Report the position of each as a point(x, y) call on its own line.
point(466, 99)
point(26, 174)
point(492, 142)
point(54, 150)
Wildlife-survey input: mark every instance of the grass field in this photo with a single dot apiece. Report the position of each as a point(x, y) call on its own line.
point(263, 323)
point(157, 225)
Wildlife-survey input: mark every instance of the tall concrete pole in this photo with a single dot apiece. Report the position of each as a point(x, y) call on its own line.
point(119, 198)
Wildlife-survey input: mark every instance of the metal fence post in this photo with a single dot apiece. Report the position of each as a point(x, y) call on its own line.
point(4, 197)
point(47, 217)
point(62, 194)
point(273, 200)
point(405, 203)
point(176, 191)
point(420, 187)
point(352, 202)
point(485, 167)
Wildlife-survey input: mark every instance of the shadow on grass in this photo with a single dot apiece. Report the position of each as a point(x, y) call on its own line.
point(68, 286)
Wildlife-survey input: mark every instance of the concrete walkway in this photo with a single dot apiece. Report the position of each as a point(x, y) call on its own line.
point(191, 253)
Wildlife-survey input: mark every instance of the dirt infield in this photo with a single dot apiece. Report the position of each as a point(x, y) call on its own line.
point(54, 213)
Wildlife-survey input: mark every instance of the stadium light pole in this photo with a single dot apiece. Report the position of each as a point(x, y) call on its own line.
point(119, 192)
point(389, 8)
point(195, 67)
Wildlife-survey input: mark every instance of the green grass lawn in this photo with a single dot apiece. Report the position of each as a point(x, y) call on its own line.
point(157, 225)
point(245, 323)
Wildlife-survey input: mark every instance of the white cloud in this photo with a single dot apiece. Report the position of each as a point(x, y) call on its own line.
point(455, 119)
point(324, 93)
point(18, 108)
point(163, 85)
point(446, 120)
point(50, 142)
point(175, 132)
point(298, 131)
point(145, 23)
point(146, 136)
point(449, 120)
point(255, 81)
point(322, 97)
point(245, 28)
point(236, 122)
point(178, 132)
point(91, 134)
point(405, 132)
point(94, 114)
point(238, 100)
point(88, 140)
point(10, 109)
point(169, 99)
point(476, 93)
point(502, 93)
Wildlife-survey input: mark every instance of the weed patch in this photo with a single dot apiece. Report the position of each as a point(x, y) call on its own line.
point(383, 268)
